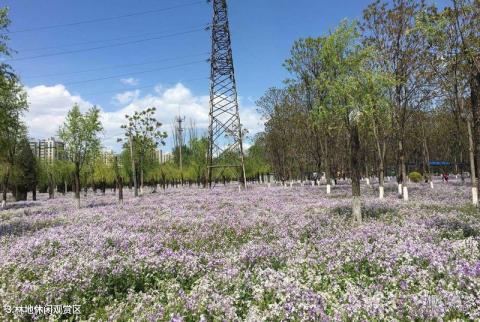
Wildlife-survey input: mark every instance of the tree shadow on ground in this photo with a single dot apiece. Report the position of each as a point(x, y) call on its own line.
point(20, 205)
point(374, 212)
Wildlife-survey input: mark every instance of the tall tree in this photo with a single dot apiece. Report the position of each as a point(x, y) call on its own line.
point(390, 28)
point(80, 135)
point(24, 175)
point(466, 19)
point(142, 134)
point(346, 79)
point(12, 130)
point(454, 38)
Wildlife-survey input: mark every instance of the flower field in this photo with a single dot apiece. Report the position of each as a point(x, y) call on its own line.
point(273, 254)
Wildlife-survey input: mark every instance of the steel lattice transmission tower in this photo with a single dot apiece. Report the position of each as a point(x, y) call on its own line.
point(225, 130)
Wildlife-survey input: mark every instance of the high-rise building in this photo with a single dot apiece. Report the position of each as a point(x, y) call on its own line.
point(48, 150)
point(107, 157)
point(163, 157)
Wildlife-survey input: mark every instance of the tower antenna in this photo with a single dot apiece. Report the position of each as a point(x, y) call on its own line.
point(225, 147)
point(180, 120)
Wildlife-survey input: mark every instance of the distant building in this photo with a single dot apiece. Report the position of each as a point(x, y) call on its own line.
point(163, 157)
point(48, 150)
point(107, 156)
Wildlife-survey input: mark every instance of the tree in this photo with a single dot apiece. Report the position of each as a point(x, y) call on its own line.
point(13, 103)
point(377, 112)
point(305, 65)
point(346, 79)
point(142, 133)
point(256, 164)
point(390, 29)
point(103, 172)
point(80, 135)
point(118, 179)
point(466, 23)
point(24, 174)
point(454, 39)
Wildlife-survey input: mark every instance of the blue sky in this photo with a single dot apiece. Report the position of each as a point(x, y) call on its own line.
point(170, 71)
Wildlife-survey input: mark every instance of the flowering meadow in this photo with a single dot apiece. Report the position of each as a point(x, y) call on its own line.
point(265, 254)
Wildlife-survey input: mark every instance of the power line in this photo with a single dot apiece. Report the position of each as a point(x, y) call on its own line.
point(106, 46)
point(94, 41)
point(134, 73)
point(114, 66)
point(141, 13)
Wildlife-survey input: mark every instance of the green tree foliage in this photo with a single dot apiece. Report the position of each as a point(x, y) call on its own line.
point(142, 135)
point(24, 173)
point(256, 163)
point(80, 135)
point(453, 36)
point(103, 173)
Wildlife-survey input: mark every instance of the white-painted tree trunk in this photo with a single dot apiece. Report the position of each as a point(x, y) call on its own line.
point(405, 193)
point(400, 190)
point(357, 209)
point(313, 183)
point(380, 192)
point(368, 181)
point(3, 204)
point(475, 196)
point(328, 189)
point(431, 184)
point(291, 183)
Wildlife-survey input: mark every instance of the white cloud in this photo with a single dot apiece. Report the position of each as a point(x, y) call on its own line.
point(127, 97)
point(130, 81)
point(49, 106)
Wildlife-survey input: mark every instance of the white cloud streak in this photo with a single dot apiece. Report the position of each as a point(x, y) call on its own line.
point(130, 81)
point(50, 104)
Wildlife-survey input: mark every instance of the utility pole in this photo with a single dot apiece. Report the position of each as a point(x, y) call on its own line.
point(180, 120)
point(225, 130)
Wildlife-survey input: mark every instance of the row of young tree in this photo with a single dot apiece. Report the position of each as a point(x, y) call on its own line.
point(383, 95)
point(83, 164)
point(86, 165)
point(16, 159)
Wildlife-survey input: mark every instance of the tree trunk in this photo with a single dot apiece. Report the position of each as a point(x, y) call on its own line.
point(119, 180)
point(51, 191)
point(134, 172)
point(120, 188)
point(475, 99)
point(471, 149)
point(327, 166)
point(21, 193)
point(381, 147)
point(403, 169)
point(426, 158)
point(77, 184)
point(141, 174)
point(355, 169)
point(5, 186)
point(34, 192)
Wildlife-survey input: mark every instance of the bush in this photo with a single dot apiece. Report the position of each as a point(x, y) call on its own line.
point(415, 176)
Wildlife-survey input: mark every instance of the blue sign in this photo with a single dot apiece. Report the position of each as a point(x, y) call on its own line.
point(439, 163)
